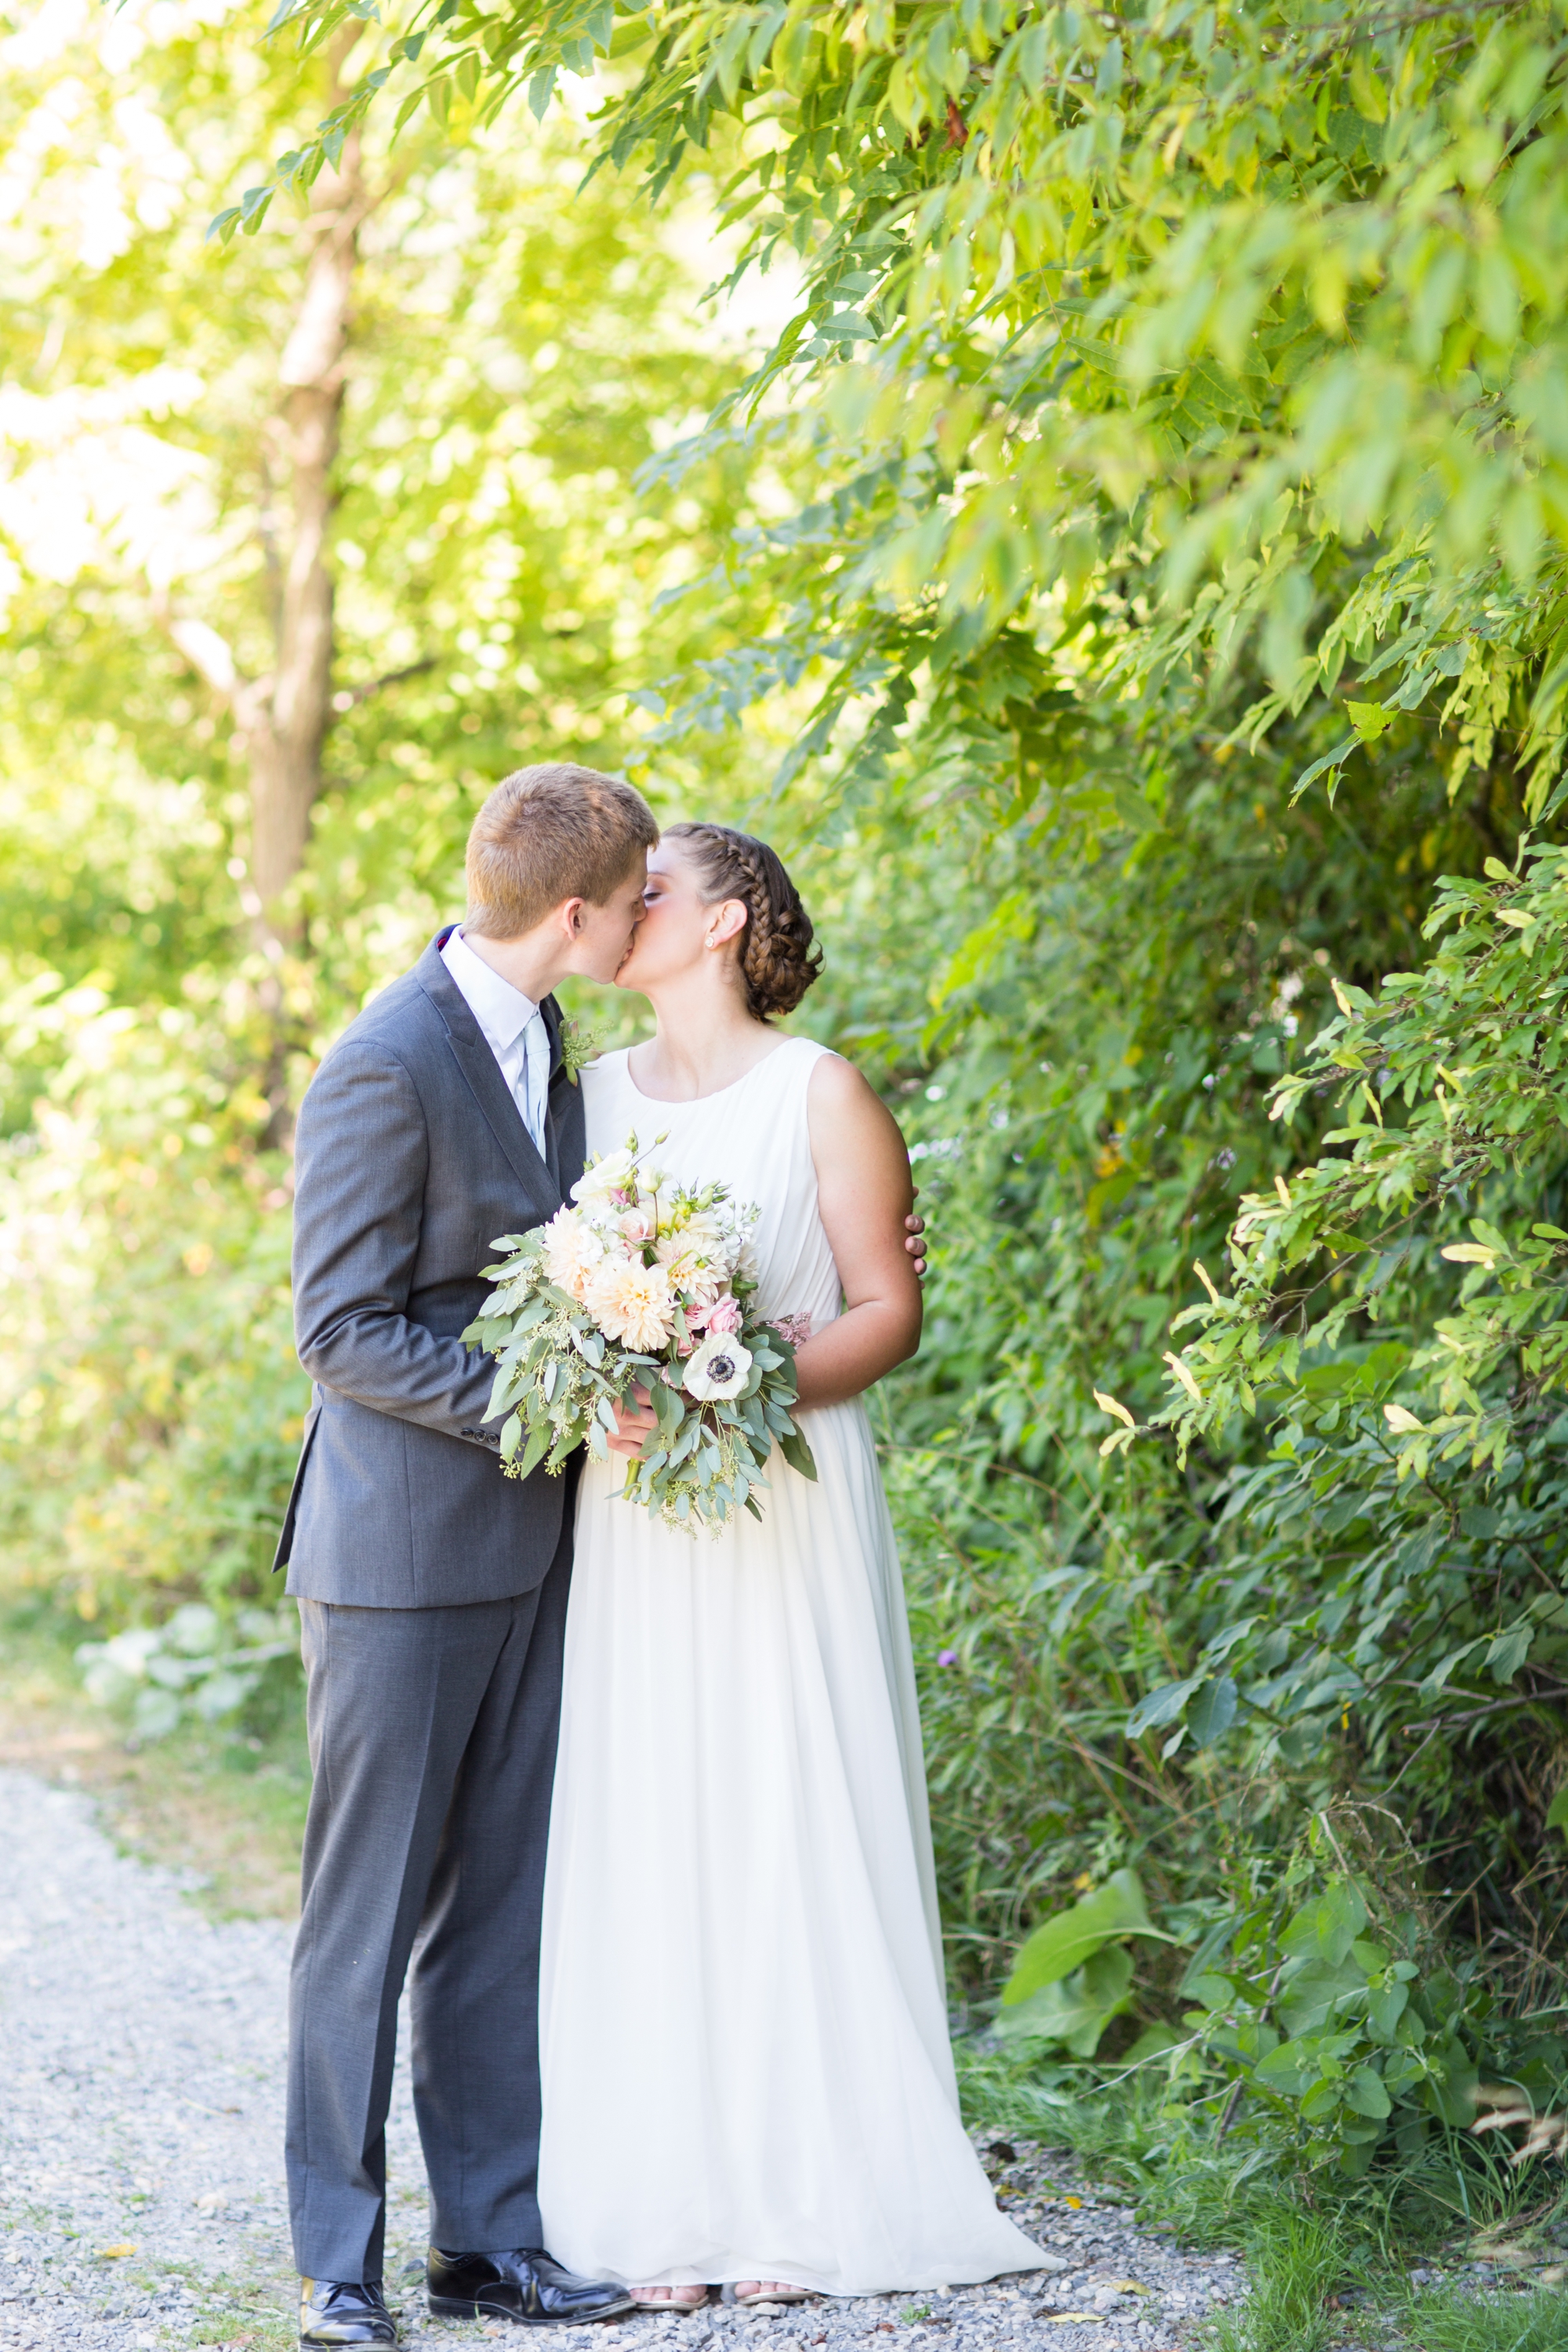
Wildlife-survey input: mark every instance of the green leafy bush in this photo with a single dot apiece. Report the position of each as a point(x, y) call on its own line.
point(1350, 2034)
point(1321, 2021)
point(150, 1402)
point(195, 1663)
point(1396, 1320)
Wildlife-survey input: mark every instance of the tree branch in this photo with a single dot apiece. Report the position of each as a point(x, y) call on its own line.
point(348, 696)
point(210, 655)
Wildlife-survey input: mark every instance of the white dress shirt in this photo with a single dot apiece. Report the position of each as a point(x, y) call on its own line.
point(513, 1029)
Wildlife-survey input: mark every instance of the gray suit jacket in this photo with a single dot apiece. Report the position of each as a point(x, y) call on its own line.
point(410, 1159)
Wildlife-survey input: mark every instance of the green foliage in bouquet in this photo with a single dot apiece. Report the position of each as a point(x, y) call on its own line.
point(642, 1286)
point(559, 1381)
point(723, 1444)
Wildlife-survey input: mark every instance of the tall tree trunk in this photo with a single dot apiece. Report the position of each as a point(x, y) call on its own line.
point(282, 717)
point(285, 734)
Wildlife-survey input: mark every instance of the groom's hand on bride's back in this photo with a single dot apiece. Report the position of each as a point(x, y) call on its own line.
point(914, 1228)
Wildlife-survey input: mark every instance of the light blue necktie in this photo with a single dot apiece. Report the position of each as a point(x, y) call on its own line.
point(533, 1086)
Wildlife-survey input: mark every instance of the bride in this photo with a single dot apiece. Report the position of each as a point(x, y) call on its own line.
point(742, 2024)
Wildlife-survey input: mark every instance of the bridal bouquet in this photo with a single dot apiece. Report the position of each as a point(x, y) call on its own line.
point(640, 1282)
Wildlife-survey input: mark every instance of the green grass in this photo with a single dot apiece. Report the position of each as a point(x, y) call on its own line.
point(1328, 2261)
point(1444, 2321)
point(259, 2314)
point(1295, 2263)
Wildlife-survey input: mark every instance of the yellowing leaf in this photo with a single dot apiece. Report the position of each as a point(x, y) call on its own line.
point(1403, 1424)
point(1110, 1404)
point(1184, 1375)
point(1470, 1253)
point(116, 2254)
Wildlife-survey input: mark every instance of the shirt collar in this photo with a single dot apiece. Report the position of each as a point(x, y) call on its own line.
point(502, 1012)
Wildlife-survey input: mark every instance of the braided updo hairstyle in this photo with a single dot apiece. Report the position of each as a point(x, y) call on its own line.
point(778, 961)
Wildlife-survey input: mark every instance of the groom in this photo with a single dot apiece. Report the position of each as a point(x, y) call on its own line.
point(432, 1590)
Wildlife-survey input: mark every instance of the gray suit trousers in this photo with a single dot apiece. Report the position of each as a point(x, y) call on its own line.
point(432, 1735)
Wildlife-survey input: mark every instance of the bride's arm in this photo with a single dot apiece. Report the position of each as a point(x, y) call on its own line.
point(864, 1194)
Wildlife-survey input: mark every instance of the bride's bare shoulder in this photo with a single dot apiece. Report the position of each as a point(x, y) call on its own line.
point(836, 1083)
point(843, 1110)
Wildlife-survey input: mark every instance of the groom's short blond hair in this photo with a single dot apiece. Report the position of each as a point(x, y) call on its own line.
point(549, 833)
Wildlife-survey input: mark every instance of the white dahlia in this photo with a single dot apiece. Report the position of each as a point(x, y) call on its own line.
point(694, 1267)
point(632, 1303)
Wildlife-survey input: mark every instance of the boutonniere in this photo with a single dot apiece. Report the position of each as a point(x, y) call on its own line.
point(578, 1048)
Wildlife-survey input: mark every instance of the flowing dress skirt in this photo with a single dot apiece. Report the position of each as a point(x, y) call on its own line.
point(747, 2072)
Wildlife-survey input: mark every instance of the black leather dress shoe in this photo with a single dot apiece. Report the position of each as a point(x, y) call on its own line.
point(527, 2285)
point(340, 2311)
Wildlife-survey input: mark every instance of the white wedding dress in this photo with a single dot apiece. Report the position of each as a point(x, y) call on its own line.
point(742, 2019)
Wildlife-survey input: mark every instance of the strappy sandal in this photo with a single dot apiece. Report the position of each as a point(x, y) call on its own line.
point(683, 2300)
point(776, 2293)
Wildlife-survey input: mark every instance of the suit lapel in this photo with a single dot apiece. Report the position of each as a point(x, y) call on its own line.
point(563, 1120)
point(485, 1082)
point(552, 1026)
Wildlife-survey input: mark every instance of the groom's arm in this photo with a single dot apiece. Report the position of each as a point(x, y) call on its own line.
point(361, 1156)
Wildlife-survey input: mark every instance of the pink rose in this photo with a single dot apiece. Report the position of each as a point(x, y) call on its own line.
point(723, 1316)
point(637, 1224)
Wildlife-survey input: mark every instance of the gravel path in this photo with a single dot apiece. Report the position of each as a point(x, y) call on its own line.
point(142, 2195)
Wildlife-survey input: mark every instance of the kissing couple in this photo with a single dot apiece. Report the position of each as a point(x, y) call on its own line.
point(639, 1814)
